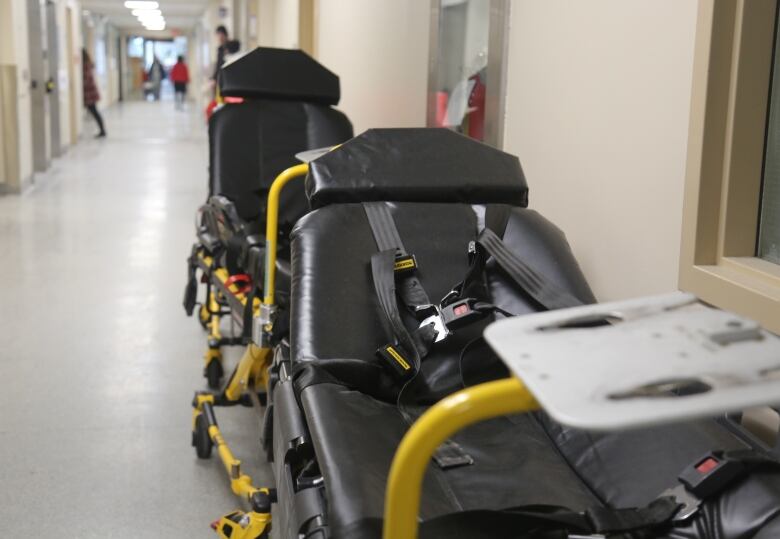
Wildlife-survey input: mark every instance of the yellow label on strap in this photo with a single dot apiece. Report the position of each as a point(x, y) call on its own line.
point(398, 357)
point(405, 263)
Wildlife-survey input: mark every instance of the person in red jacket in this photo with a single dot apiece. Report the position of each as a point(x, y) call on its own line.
point(180, 76)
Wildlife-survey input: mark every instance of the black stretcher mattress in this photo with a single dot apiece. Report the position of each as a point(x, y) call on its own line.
point(519, 460)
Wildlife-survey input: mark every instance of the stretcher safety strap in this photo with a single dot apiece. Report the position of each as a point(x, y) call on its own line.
point(383, 226)
point(554, 522)
point(545, 292)
point(191, 288)
point(387, 238)
point(384, 284)
point(411, 347)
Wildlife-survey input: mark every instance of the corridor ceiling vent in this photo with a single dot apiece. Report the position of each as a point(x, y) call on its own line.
point(147, 13)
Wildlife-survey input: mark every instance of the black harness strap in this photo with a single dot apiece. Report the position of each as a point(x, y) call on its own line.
point(191, 288)
point(383, 226)
point(248, 314)
point(387, 238)
point(406, 350)
point(549, 521)
point(384, 285)
point(545, 292)
point(496, 218)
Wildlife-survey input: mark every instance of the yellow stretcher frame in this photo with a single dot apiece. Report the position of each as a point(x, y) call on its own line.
point(249, 362)
point(251, 371)
point(272, 227)
point(434, 427)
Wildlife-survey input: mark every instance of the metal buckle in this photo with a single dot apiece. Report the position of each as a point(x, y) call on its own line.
point(267, 313)
point(426, 311)
point(261, 325)
point(689, 502)
point(450, 296)
point(438, 324)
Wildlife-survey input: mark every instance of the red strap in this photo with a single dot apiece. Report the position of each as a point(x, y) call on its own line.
point(242, 281)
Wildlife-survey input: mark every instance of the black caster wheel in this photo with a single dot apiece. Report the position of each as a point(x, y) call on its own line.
point(204, 317)
point(200, 438)
point(214, 373)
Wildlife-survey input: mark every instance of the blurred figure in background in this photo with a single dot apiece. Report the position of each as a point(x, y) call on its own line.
point(222, 38)
point(232, 50)
point(156, 76)
point(180, 76)
point(91, 94)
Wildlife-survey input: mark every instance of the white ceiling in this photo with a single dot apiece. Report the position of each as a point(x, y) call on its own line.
point(178, 13)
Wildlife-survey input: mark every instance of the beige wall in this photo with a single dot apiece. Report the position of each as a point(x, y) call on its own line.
point(286, 24)
point(379, 48)
point(266, 22)
point(597, 110)
point(277, 23)
point(69, 56)
point(15, 56)
point(16, 126)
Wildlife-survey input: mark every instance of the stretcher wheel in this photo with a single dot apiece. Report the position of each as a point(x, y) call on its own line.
point(204, 317)
point(201, 439)
point(214, 373)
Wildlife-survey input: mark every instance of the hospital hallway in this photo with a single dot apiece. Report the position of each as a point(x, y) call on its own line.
point(99, 361)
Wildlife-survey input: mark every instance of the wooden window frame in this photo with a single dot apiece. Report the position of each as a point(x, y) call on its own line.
point(732, 70)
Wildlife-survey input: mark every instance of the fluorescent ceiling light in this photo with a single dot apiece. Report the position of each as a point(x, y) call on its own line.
point(147, 13)
point(154, 19)
point(155, 25)
point(151, 19)
point(141, 4)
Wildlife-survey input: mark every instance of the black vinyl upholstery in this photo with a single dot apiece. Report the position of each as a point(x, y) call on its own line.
point(252, 142)
point(335, 313)
point(355, 437)
point(416, 165)
point(282, 74)
point(355, 426)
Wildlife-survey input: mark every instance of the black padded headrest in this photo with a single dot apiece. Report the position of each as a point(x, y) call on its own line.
point(279, 74)
point(416, 165)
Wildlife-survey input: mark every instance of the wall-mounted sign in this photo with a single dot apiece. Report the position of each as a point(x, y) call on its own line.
point(222, 12)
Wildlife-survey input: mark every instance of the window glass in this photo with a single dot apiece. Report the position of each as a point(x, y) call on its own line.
point(769, 228)
point(460, 72)
point(135, 47)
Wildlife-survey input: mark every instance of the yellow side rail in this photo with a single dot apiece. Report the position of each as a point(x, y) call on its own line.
point(442, 420)
point(272, 226)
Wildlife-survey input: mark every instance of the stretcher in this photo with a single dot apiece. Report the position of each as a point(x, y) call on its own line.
point(205, 431)
point(340, 397)
point(366, 398)
point(651, 362)
point(285, 104)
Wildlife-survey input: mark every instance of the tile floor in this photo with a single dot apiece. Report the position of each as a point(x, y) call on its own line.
point(98, 362)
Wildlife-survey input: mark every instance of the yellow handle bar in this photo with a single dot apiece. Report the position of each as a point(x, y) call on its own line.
point(442, 420)
point(272, 226)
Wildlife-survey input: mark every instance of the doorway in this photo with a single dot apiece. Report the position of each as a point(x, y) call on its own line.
point(39, 104)
point(72, 86)
point(52, 84)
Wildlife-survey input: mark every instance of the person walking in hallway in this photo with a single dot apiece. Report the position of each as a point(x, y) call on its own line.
point(91, 94)
point(180, 76)
point(156, 76)
point(223, 38)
